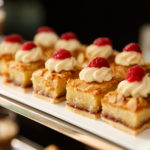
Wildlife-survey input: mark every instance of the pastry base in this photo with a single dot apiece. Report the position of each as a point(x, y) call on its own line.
point(49, 99)
point(83, 113)
point(18, 88)
point(126, 129)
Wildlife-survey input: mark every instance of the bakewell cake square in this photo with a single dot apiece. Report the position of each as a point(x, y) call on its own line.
point(47, 52)
point(85, 98)
point(19, 74)
point(120, 70)
point(4, 63)
point(51, 86)
point(129, 114)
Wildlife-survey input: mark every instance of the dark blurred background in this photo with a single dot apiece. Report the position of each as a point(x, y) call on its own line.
point(89, 19)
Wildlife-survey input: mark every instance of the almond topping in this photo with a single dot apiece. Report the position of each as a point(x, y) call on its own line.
point(80, 58)
point(132, 104)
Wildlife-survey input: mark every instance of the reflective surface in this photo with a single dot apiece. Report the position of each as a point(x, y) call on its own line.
point(58, 124)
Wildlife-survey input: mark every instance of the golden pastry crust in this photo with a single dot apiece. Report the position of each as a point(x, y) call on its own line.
point(22, 67)
point(120, 71)
point(93, 88)
point(112, 57)
point(6, 57)
point(50, 77)
point(47, 52)
point(49, 99)
point(129, 103)
point(83, 113)
point(126, 129)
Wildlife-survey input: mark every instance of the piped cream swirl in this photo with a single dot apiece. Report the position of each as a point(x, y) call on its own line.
point(59, 65)
point(129, 58)
point(135, 89)
point(95, 74)
point(9, 47)
point(46, 39)
point(93, 51)
point(33, 55)
point(70, 45)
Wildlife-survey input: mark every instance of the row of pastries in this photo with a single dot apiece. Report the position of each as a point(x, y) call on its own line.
point(95, 80)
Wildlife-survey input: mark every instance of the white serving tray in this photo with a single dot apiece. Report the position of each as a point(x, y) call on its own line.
point(98, 127)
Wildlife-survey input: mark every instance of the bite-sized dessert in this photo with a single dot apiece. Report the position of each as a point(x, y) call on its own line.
point(46, 38)
point(130, 56)
point(128, 108)
point(84, 94)
point(27, 60)
point(8, 48)
point(50, 83)
point(101, 47)
point(52, 147)
point(69, 41)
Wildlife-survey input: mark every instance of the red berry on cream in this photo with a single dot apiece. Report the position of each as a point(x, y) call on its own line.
point(14, 38)
point(28, 46)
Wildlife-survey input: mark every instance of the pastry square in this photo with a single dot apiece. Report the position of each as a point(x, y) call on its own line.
point(85, 98)
point(51, 86)
point(129, 114)
point(120, 70)
point(20, 73)
point(4, 63)
point(47, 52)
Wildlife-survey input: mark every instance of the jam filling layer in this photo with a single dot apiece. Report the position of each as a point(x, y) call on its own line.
point(19, 84)
point(108, 117)
point(46, 95)
point(82, 109)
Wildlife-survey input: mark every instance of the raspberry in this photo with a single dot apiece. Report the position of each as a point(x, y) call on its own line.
point(132, 47)
point(28, 46)
point(45, 29)
point(14, 38)
point(135, 73)
point(98, 62)
point(68, 36)
point(61, 54)
point(102, 41)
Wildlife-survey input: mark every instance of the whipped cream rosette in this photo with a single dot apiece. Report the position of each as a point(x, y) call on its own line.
point(97, 70)
point(29, 52)
point(131, 55)
point(68, 41)
point(11, 44)
point(46, 37)
point(101, 47)
point(61, 60)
